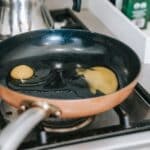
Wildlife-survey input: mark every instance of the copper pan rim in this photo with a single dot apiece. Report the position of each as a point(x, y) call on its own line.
point(73, 108)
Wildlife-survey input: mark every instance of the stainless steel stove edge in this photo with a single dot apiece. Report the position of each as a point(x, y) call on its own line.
point(135, 141)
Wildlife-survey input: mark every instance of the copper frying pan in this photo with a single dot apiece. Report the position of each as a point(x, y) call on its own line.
point(64, 47)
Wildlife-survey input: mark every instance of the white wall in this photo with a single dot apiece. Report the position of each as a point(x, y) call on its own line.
point(120, 26)
point(55, 4)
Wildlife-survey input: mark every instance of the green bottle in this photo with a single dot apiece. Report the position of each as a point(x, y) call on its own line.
point(137, 11)
point(148, 10)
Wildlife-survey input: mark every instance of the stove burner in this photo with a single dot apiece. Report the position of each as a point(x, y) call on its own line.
point(66, 19)
point(59, 25)
point(55, 125)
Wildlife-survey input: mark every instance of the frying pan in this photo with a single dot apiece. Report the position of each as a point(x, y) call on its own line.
point(61, 50)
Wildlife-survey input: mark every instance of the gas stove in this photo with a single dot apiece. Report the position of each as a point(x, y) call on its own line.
point(132, 116)
point(65, 19)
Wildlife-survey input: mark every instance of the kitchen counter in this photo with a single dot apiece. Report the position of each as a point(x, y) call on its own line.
point(95, 25)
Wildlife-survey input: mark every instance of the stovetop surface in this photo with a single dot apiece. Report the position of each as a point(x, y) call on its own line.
point(131, 116)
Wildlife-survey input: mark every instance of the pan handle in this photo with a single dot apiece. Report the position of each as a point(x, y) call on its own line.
point(13, 135)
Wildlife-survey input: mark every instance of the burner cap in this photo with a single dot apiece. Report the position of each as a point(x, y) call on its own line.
point(65, 125)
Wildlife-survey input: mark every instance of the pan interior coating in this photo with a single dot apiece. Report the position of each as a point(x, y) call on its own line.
point(54, 55)
point(99, 78)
